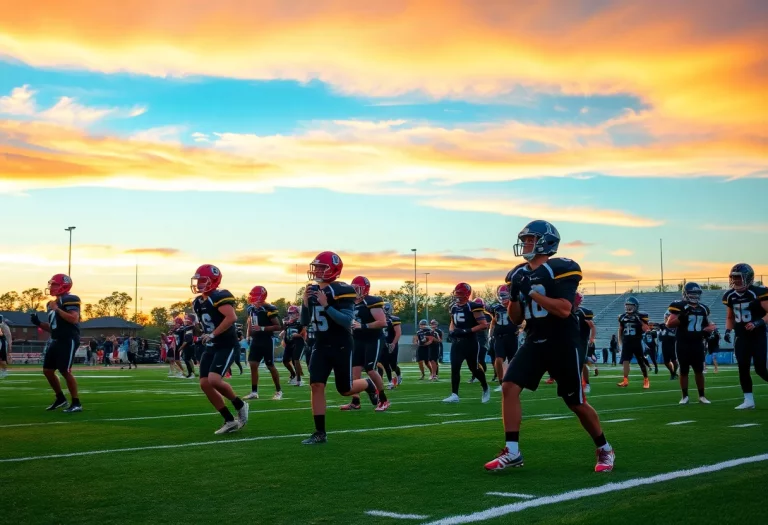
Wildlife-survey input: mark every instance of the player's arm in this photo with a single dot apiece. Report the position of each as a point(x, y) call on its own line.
point(493, 325)
point(760, 322)
point(429, 340)
point(398, 332)
point(379, 319)
point(68, 311)
point(558, 307)
point(343, 314)
point(482, 323)
point(248, 326)
point(230, 317)
point(300, 334)
point(645, 325)
point(438, 339)
point(592, 330)
point(274, 319)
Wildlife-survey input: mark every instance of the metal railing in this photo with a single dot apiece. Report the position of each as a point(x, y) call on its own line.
point(655, 285)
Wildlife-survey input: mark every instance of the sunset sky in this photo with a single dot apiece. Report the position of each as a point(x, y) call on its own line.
point(252, 135)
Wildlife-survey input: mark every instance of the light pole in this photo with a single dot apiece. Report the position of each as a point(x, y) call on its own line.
point(415, 305)
point(426, 284)
point(69, 266)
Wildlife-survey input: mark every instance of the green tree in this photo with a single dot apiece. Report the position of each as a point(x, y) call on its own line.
point(661, 288)
point(180, 307)
point(159, 317)
point(10, 301)
point(300, 295)
point(282, 307)
point(88, 311)
point(31, 299)
point(140, 318)
point(487, 294)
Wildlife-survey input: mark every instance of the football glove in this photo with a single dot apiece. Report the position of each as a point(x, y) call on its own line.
point(35, 319)
point(727, 336)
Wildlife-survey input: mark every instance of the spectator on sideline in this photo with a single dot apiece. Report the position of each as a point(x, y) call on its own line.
point(614, 346)
point(108, 346)
point(93, 347)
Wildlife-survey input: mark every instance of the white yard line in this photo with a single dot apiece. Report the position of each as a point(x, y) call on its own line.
point(510, 495)
point(590, 492)
point(385, 514)
point(681, 422)
point(616, 420)
point(745, 425)
point(556, 418)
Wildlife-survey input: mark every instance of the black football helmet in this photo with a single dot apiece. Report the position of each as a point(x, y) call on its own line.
point(631, 305)
point(741, 277)
point(547, 240)
point(423, 323)
point(692, 293)
point(387, 308)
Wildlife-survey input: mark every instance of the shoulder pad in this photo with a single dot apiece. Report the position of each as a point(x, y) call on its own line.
point(760, 291)
point(643, 315)
point(222, 297)
point(475, 307)
point(342, 290)
point(676, 306)
point(706, 309)
point(726, 295)
point(589, 314)
point(621, 316)
point(374, 301)
point(394, 319)
point(70, 300)
point(512, 272)
point(563, 268)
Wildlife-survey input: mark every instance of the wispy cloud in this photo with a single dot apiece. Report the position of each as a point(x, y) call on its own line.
point(20, 102)
point(163, 252)
point(577, 244)
point(757, 227)
point(555, 213)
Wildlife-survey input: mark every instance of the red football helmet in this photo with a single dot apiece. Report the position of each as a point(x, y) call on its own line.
point(178, 322)
point(480, 301)
point(462, 292)
point(362, 286)
point(293, 312)
point(190, 319)
point(502, 294)
point(577, 300)
point(258, 296)
point(60, 284)
point(325, 268)
point(206, 279)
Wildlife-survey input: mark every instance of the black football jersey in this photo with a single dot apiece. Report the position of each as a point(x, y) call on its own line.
point(178, 336)
point(422, 336)
point(747, 309)
point(650, 338)
point(666, 335)
point(61, 329)
point(438, 335)
point(392, 322)
point(207, 310)
point(557, 278)
point(341, 296)
point(364, 316)
point(503, 325)
point(291, 329)
point(583, 315)
point(463, 316)
point(310, 334)
point(694, 318)
point(632, 326)
point(262, 316)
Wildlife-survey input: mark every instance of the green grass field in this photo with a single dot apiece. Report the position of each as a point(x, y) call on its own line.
point(143, 451)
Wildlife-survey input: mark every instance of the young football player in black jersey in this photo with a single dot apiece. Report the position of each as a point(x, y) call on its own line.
point(747, 314)
point(542, 292)
point(587, 333)
point(6, 344)
point(483, 337)
point(504, 333)
point(263, 322)
point(367, 333)
point(187, 348)
point(691, 320)
point(216, 310)
point(309, 341)
point(467, 319)
point(632, 325)
point(712, 344)
point(649, 345)
point(293, 337)
point(435, 349)
point(329, 306)
point(666, 338)
point(64, 326)
point(394, 332)
point(423, 339)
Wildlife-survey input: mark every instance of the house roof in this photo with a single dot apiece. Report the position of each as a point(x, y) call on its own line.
point(16, 318)
point(109, 322)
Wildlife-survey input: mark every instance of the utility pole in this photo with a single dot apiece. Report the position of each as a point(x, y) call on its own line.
point(69, 266)
point(415, 304)
point(426, 281)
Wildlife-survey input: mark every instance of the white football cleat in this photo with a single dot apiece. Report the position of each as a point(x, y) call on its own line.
point(704, 401)
point(746, 405)
point(453, 398)
point(252, 395)
point(292, 381)
point(299, 383)
point(229, 426)
point(497, 389)
point(486, 395)
point(278, 396)
point(684, 401)
point(242, 415)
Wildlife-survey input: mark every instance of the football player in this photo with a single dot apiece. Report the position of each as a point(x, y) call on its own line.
point(263, 322)
point(691, 319)
point(176, 334)
point(329, 306)
point(368, 332)
point(713, 347)
point(423, 339)
point(483, 336)
point(6, 345)
point(746, 314)
point(294, 341)
point(632, 325)
point(436, 349)
point(649, 343)
point(309, 341)
point(467, 319)
point(216, 310)
point(504, 333)
point(64, 326)
point(188, 345)
point(587, 333)
point(542, 291)
point(394, 332)
point(667, 340)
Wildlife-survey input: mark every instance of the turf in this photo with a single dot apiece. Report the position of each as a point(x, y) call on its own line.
point(423, 457)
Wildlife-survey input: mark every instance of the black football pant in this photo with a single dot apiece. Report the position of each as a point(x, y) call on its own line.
point(748, 349)
point(466, 349)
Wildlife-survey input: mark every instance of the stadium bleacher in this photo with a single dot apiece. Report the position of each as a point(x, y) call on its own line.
point(608, 307)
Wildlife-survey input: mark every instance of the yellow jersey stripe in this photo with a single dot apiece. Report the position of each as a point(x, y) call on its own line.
point(376, 305)
point(346, 296)
point(226, 300)
point(395, 323)
point(673, 309)
point(568, 274)
point(71, 303)
point(764, 296)
point(269, 314)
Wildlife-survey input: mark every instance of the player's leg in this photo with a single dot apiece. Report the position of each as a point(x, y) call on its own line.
point(524, 371)
point(643, 368)
point(269, 362)
point(458, 356)
point(684, 361)
point(320, 368)
point(394, 362)
point(358, 362)
point(189, 360)
point(652, 355)
point(212, 366)
point(697, 364)
point(255, 355)
point(626, 357)
point(477, 371)
point(743, 353)
point(64, 361)
point(419, 356)
point(288, 364)
point(714, 362)
point(49, 371)
point(372, 353)
point(298, 349)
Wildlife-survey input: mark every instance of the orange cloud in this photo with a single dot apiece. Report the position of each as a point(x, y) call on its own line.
point(163, 252)
point(622, 252)
point(699, 64)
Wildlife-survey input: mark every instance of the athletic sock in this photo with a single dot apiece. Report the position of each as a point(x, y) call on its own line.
point(226, 414)
point(512, 440)
point(237, 403)
point(320, 423)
